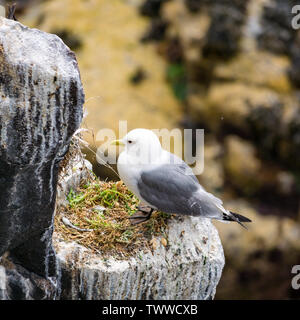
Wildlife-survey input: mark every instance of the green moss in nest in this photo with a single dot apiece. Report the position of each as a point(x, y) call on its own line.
point(104, 208)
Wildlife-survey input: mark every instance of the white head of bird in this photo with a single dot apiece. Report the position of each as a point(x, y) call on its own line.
point(142, 147)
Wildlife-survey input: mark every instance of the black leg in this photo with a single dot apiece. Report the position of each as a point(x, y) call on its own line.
point(141, 216)
point(11, 11)
point(145, 209)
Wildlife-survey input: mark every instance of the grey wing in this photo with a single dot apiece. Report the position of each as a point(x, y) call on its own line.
point(205, 202)
point(175, 189)
point(169, 188)
point(182, 166)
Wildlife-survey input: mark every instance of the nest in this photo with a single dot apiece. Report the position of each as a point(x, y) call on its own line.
point(99, 212)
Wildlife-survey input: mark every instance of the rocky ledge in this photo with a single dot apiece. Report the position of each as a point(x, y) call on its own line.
point(189, 267)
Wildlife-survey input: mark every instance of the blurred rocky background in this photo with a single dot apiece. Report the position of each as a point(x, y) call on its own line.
point(231, 67)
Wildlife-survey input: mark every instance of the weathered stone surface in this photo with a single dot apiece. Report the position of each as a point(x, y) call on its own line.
point(40, 109)
point(17, 283)
point(189, 267)
point(72, 174)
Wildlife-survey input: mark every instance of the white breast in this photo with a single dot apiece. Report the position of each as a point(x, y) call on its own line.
point(130, 173)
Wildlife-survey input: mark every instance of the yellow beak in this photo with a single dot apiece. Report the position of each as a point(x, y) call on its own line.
point(118, 143)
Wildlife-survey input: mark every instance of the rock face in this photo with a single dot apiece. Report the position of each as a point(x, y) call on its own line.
point(189, 267)
point(17, 283)
point(72, 173)
point(40, 109)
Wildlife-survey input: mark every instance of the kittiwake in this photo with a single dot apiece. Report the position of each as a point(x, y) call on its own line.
point(162, 181)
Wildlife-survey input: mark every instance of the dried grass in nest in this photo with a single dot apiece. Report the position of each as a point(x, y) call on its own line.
point(112, 233)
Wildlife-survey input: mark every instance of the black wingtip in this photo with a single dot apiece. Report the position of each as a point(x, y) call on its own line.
point(241, 224)
point(237, 218)
point(240, 217)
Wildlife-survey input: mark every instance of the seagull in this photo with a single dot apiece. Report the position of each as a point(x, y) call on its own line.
point(162, 181)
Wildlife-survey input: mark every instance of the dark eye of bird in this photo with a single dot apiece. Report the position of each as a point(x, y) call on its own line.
point(129, 141)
